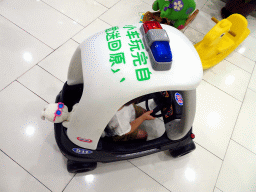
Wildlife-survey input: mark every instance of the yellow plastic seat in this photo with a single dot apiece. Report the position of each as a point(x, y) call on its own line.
point(222, 39)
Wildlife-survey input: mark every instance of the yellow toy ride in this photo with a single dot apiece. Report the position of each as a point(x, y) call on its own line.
point(222, 39)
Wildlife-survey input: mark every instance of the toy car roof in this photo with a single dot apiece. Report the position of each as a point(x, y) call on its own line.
point(115, 67)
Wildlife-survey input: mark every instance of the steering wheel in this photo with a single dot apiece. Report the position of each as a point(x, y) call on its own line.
point(156, 109)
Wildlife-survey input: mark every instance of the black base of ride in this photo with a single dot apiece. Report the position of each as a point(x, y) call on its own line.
point(107, 150)
point(181, 151)
point(80, 167)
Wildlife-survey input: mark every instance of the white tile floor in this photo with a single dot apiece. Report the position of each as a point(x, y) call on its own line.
point(37, 40)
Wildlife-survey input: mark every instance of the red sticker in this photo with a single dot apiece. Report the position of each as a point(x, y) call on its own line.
point(84, 140)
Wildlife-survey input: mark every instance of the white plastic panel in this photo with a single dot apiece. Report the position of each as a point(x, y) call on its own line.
point(108, 86)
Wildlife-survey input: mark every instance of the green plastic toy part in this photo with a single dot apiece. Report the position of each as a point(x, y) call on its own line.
point(175, 10)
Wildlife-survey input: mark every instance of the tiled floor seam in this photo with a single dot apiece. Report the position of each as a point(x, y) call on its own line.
point(30, 69)
point(102, 4)
point(237, 65)
point(242, 102)
point(69, 182)
point(104, 21)
point(17, 78)
point(251, 89)
point(208, 150)
point(114, 4)
point(149, 176)
point(25, 170)
point(35, 65)
point(243, 146)
point(50, 73)
point(32, 92)
point(195, 28)
point(196, 31)
point(146, 2)
point(61, 12)
point(231, 136)
point(244, 55)
point(75, 41)
point(46, 56)
point(87, 26)
point(234, 129)
point(217, 188)
point(223, 91)
point(26, 31)
point(221, 166)
point(76, 34)
point(64, 42)
point(7, 86)
point(204, 4)
point(185, 31)
point(72, 20)
point(100, 15)
point(25, 72)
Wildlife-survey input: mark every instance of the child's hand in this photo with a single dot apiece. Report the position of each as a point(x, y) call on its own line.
point(147, 116)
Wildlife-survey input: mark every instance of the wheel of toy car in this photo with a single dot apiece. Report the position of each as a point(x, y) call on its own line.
point(183, 150)
point(80, 167)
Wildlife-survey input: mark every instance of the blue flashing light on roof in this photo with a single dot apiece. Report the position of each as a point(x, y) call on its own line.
point(157, 44)
point(161, 51)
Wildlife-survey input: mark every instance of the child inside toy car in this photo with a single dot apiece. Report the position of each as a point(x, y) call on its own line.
point(124, 126)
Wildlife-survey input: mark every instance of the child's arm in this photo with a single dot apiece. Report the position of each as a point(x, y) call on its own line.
point(137, 122)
